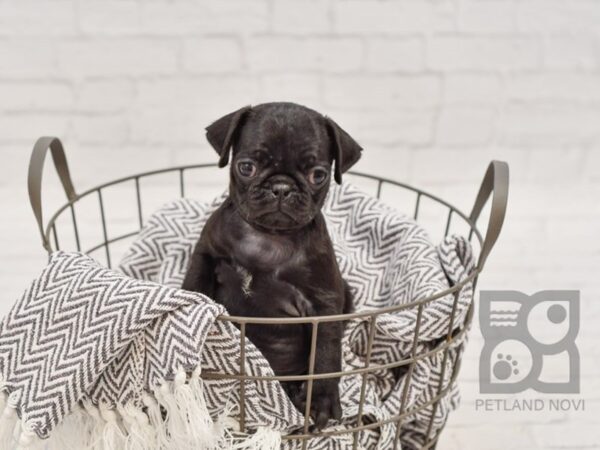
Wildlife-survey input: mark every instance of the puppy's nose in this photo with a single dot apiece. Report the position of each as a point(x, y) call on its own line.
point(281, 189)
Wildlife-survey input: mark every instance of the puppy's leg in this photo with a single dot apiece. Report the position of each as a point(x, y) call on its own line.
point(232, 287)
point(200, 276)
point(325, 403)
point(326, 397)
point(292, 303)
point(348, 299)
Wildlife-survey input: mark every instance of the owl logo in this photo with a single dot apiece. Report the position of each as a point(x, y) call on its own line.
point(529, 342)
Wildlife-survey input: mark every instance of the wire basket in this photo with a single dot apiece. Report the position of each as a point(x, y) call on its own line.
point(494, 185)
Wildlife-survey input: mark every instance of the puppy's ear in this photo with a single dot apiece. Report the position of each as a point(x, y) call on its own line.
point(346, 151)
point(221, 133)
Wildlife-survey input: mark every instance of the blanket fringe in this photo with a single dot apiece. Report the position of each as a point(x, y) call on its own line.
point(26, 439)
point(9, 420)
point(188, 422)
point(140, 433)
point(97, 426)
point(112, 433)
point(156, 421)
point(189, 397)
point(176, 417)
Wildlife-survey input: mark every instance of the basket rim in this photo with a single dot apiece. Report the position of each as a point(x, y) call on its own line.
point(366, 313)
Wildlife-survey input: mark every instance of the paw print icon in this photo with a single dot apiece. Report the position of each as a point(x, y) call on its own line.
point(529, 342)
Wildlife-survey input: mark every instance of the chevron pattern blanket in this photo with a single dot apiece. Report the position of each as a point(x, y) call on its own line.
point(92, 358)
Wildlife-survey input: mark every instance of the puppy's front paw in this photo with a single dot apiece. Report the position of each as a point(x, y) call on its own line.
point(302, 306)
point(325, 402)
point(226, 274)
point(295, 304)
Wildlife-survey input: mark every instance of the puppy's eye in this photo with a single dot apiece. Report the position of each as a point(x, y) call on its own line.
point(247, 169)
point(317, 175)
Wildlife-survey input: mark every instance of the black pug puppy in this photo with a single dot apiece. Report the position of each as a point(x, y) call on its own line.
point(265, 252)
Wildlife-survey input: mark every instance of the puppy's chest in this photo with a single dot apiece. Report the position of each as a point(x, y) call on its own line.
point(257, 252)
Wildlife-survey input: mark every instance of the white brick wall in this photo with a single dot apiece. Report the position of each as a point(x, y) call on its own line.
point(433, 89)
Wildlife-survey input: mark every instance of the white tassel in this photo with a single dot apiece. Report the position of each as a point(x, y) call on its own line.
point(97, 426)
point(84, 424)
point(8, 421)
point(28, 439)
point(224, 427)
point(140, 434)
point(156, 420)
point(175, 424)
point(187, 423)
point(114, 437)
point(189, 398)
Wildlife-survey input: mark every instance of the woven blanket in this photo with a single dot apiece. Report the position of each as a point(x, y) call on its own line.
point(95, 358)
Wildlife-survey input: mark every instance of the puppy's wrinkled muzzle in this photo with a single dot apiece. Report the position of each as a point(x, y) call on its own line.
point(281, 186)
point(279, 203)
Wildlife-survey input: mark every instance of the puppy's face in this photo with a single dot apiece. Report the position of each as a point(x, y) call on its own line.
point(282, 162)
point(281, 167)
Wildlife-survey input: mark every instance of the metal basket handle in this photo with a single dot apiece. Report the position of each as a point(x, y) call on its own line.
point(34, 179)
point(494, 182)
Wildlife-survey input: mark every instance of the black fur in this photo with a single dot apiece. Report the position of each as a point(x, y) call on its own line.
point(266, 251)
